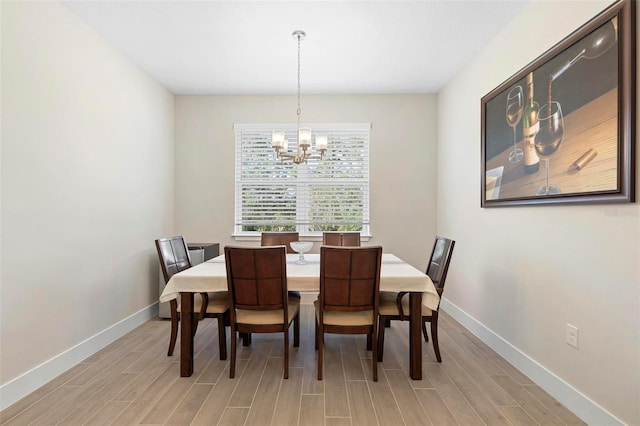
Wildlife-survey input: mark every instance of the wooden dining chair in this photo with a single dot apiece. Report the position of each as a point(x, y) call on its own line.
point(348, 299)
point(351, 239)
point(279, 239)
point(257, 280)
point(395, 306)
point(174, 257)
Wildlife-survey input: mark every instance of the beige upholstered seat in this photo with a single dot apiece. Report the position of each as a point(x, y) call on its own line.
point(174, 258)
point(395, 306)
point(257, 280)
point(348, 299)
point(246, 316)
point(351, 239)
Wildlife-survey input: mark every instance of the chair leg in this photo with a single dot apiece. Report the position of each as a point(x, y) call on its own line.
point(320, 343)
point(424, 331)
point(296, 330)
point(434, 336)
point(286, 352)
point(222, 338)
point(195, 321)
point(246, 339)
point(382, 322)
point(232, 363)
point(316, 334)
point(369, 339)
point(175, 319)
point(374, 357)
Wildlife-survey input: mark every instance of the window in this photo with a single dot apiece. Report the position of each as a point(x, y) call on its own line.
point(331, 194)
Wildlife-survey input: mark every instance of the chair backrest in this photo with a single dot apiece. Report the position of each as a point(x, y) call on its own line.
point(279, 239)
point(174, 256)
point(439, 263)
point(349, 278)
point(257, 277)
point(351, 239)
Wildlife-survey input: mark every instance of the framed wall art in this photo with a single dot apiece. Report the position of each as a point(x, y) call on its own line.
point(562, 129)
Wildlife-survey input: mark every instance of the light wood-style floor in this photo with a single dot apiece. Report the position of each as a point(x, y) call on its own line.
point(132, 381)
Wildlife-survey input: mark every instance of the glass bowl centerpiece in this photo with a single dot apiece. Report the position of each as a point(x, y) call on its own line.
point(301, 247)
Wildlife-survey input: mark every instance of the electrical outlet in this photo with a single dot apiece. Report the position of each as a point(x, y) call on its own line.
point(572, 335)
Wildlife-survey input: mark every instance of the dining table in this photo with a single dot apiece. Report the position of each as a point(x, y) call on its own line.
point(395, 275)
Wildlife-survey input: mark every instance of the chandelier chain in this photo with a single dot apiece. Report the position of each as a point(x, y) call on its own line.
point(280, 143)
point(299, 110)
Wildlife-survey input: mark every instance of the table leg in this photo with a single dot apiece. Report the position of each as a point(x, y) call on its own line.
point(415, 336)
point(186, 334)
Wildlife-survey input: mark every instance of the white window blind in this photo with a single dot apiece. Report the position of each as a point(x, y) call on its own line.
point(331, 194)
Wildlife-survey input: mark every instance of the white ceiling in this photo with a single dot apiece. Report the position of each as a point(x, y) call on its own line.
point(246, 47)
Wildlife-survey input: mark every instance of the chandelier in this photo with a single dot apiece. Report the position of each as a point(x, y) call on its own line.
point(280, 143)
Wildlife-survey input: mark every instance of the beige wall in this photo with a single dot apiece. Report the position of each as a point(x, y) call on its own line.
point(87, 184)
point(403, 162)
point(525, 272)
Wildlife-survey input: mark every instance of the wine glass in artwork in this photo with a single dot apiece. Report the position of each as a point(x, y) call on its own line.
point(515, 106)
point(548, 140)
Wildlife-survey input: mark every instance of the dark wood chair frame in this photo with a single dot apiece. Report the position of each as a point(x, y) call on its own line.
point(349, 282)
point(179, 261)
point(257, 279)
point(437, 271)
point(350, 239)
point(279, 239)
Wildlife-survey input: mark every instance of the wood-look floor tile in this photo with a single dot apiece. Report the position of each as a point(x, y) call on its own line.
point(85, 411)
point(335, 389)
point(264, 402)
point(451, 395)
point(172, 396)
point(107, 414)
point(312, 411)
point(40, 393)
point(214, 406)
point(112, 362)
point(382, 397)
point(154, 368)
point(214, 369)
point(408, 403)
point(360, 404)
point(528, 402)
point(435, 407)
point(517, 416)
point(479, 375)
point(482, 405)
point(310, 382)
point(189, 405)
point(85, 393)
point(351, 359)
point(250, 378)
point(43, 407)
point(146, 399)
point(337, 421)
point(556, 408)
point(234, 416)
point(287, 409)
point(466, 348)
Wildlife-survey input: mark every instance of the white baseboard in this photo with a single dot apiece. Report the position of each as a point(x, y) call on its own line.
point(28, 382)
point(583, 407)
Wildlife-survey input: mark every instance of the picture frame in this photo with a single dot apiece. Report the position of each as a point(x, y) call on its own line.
point(572, 110)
